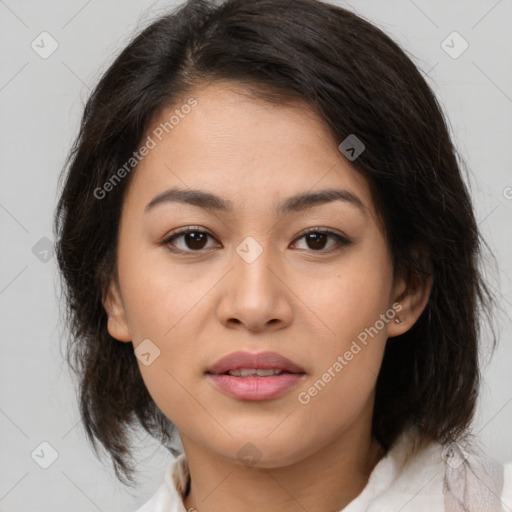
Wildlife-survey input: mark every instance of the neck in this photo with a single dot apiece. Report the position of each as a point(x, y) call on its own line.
point(327, 480)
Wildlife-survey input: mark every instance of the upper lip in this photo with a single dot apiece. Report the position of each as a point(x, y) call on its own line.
point(261, 360)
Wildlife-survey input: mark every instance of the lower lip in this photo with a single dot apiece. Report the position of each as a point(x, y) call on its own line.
point(256, 388)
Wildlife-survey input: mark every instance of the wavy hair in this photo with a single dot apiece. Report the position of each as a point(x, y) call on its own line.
point(360, 82)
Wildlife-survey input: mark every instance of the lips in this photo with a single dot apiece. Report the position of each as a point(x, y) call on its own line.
point(255, 377)
point(237, 362)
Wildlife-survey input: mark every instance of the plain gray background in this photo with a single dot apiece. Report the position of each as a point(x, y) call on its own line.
point(41, 101)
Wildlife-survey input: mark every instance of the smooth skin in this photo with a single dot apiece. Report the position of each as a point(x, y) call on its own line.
point(306, 298)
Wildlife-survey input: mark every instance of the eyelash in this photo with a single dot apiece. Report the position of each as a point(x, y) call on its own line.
point(342, 241)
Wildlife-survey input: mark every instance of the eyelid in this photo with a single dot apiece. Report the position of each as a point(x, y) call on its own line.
point(184, 230)
point(320, 229)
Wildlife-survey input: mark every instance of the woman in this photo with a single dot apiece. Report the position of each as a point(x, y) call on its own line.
point(268, 248)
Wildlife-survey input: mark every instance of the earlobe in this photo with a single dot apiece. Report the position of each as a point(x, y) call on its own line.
point(413, 299)
point(116, 325)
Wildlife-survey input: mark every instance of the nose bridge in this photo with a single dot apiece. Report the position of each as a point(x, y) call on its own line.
point(253, 261)
point(254, 295)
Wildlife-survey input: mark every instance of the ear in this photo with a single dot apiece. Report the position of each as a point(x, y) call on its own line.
point(411, 293)
point(113, 304)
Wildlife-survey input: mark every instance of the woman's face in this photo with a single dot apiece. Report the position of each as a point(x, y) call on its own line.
point(250, 279)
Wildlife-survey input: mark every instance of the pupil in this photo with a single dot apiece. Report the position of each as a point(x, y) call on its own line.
point(195, 238)
point(315, 237)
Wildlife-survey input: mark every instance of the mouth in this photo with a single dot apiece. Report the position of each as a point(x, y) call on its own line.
point(255, 372)
point(244, 364)
point(255, 377)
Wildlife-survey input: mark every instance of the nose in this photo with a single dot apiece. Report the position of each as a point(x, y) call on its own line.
point(255, 294)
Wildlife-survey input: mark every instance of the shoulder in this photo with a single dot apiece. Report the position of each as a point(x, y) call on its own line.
point(474, 480)
point(436, 477)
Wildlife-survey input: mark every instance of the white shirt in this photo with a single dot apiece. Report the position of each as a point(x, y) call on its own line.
point(437, 479)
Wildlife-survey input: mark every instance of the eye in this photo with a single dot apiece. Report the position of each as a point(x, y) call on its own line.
point(192, 237)
point(316, 239)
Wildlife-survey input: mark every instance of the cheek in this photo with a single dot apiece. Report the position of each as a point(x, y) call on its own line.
point(350, 305)
point(336, 400)
point(347, 366)
point(355, 294)
point(158, 294)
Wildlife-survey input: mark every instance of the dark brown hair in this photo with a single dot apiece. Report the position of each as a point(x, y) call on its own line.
point(360, 82)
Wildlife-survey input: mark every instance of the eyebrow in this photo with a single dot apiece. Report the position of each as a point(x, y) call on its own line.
point(295, 203)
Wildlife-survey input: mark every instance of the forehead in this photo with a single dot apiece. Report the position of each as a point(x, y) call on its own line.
point(236, 145)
